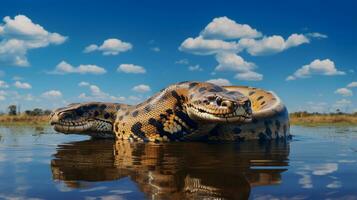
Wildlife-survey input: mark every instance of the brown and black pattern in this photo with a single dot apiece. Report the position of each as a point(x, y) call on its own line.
point(183, 111)
point(161, 118)
point(92, 118)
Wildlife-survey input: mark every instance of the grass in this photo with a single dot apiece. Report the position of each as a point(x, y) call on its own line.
point(298, 118)
point(23, 119)
point(318, 119)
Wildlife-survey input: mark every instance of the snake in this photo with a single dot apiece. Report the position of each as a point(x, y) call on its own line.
point(185, 111)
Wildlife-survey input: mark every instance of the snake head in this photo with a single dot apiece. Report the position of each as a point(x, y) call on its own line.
point(214, 104)
point(84, 118)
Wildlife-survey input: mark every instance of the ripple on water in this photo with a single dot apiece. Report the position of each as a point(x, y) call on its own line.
point(38, 163)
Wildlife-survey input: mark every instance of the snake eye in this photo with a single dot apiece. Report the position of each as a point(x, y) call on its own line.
point(247, 104)
point(219, 100)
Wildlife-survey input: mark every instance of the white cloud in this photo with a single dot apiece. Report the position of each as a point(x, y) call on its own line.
point(90, 48)
point(201, 46)
point(83, 83)
point(232, 62)
point(19, 35)
point(220, 81)
point(22, 85)
point(142, 88)
point(52, 94)
point(235, 63)
point(249, 76)
point(290, 78)
point(296, 40)
point(110, 46)
point(134, 99)
point(195, 68)
point(352, 85)
point(182, 61)
point(342, 102)
point(271, 44)
point(3, 84)
point(82, 96)
point(225, 28)
point(225, 38)
point(118, 98)
point(90, 69)
point(155, 49)
point(319, 67)
point(96, 91)
point(131, 68)
point(316, 35)
point(64, 68)
point(344, 92)
point(97, 94)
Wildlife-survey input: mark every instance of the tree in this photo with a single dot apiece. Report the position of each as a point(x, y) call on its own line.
point(28, 112)
point(12, 109)
point(47, 112)
point(37, 112)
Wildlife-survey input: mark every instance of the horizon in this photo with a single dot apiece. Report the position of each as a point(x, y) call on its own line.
point(52, 55)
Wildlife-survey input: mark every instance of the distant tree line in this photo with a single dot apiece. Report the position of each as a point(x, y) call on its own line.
point(37, 112)
point(306, 114)
point(12, 110)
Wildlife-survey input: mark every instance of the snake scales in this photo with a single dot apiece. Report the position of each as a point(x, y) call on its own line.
point(181, 112)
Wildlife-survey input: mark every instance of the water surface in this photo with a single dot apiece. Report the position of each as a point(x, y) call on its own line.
point(37, 163)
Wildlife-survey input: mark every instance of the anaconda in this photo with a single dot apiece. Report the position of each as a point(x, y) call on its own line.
point(182, 111)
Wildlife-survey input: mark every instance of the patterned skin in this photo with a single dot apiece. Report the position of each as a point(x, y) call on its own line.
point(93, 118)
point(183, 111)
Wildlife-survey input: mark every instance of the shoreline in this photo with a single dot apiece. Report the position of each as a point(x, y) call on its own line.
point(301, 119)
point(323, 119)
point(24, 119)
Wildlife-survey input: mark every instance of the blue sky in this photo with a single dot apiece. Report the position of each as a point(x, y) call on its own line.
point(53, 53)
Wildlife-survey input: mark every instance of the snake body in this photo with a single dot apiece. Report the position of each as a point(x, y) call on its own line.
point(182, 111)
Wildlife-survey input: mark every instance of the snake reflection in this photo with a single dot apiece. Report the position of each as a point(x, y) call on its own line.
point(174, 171)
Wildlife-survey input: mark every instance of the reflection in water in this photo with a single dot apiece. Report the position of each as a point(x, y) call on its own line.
point(174, 170)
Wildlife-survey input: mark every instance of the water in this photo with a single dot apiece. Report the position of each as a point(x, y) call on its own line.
point(36, 163)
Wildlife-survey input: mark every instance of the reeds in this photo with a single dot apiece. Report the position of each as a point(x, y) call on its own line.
point(23, 119)
point(299, 118)
point(323, 119)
